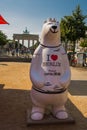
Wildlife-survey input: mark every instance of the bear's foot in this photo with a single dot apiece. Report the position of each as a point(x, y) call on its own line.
point(37, 116)
point(62, 114)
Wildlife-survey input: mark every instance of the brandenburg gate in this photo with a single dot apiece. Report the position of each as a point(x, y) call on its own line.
point(31, 38)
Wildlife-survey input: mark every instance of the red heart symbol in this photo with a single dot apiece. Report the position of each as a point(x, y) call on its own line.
point(54, 57)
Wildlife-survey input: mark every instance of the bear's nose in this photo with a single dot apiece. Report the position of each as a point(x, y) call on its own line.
point(54, 27)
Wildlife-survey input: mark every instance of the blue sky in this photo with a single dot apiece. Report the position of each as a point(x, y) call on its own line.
point(32, 13)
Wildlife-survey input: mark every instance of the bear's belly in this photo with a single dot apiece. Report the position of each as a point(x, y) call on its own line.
point(52, 77)
point(52, 69)
point(47, 70)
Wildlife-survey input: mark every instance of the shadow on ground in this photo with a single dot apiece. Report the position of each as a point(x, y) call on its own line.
point(14, 59)
point(13, 106)
point(3, 64)
point(78, 87)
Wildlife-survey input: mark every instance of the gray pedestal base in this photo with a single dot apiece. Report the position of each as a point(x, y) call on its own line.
point(48, 119)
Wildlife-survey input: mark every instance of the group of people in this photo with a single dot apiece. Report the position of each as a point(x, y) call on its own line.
point(18, 52)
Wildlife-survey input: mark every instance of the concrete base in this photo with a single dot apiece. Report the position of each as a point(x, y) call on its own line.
point(48, 119)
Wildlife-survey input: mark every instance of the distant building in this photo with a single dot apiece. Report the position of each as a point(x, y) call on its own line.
point(31, 39)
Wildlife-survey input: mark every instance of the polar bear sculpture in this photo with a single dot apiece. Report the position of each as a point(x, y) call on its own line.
point(50, 73)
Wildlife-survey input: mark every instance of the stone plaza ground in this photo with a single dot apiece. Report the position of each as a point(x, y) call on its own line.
point(15, 85)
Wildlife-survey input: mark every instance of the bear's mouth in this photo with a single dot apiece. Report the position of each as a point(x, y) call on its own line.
point(54, 31)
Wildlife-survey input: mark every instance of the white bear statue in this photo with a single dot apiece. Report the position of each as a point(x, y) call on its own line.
point(50, 74)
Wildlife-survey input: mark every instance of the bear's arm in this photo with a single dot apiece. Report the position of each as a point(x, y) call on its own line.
point(35, 74)
point(66, 77)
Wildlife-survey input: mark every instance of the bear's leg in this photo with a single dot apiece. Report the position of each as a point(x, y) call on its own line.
point(37, 113)
point(60, 112)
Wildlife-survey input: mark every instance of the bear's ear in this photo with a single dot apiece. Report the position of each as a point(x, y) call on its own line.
point(45, 21)
point(54, 20)
point(49, 19)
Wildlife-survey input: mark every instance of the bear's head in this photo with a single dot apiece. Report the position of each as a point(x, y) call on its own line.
point(50, 35)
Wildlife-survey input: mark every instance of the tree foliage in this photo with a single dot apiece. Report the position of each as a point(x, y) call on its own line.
point(79, 23)
point(73, 27)
point(84, 43)
point(3, 39)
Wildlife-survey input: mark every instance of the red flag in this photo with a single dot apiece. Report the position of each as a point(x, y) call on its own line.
point(2, 20)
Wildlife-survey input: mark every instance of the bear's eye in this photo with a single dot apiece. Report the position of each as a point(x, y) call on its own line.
point(57, 23)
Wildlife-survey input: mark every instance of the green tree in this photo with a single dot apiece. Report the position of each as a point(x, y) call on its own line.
point(66, 29)
point(73, 27)
point(3, 39)
point(84, 43)
point(79, 23)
